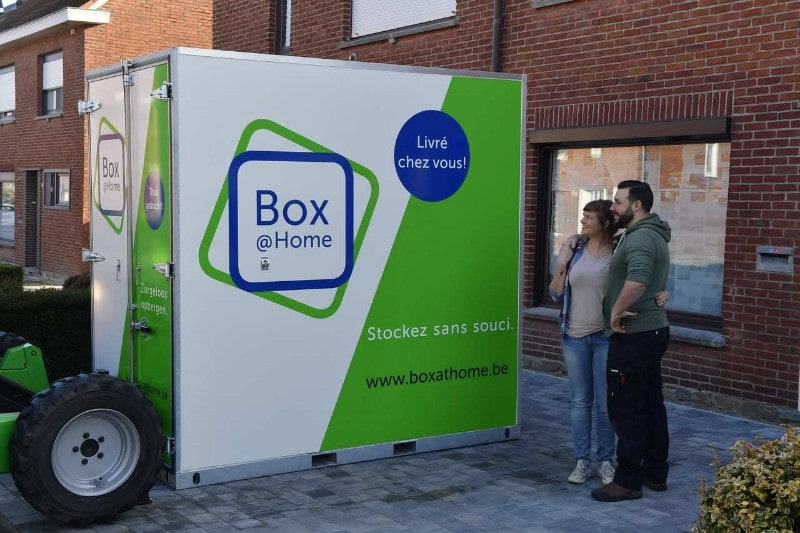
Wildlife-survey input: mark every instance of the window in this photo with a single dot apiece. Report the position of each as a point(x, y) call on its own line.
point(7, 93)
point(56, 188)
point(7, 207)
point(691, 193)
point(7, 5)
point(374, 16)
point(283, 33)
point(53, 83)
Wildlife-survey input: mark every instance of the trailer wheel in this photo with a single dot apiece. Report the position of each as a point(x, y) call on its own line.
point(86, 449)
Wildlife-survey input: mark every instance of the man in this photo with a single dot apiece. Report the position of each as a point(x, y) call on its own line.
point(639, 333)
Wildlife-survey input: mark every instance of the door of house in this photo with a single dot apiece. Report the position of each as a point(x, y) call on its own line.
point(31, 218)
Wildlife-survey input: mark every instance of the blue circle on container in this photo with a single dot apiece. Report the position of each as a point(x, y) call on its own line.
point(431, 155)
point(154, 200)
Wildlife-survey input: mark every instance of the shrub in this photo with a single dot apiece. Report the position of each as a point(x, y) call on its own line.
point(758, 491)
point(78, 281)
point(10, 278)
point(57, 321)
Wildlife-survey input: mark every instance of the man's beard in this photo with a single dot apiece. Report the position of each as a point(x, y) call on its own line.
point(625, 218)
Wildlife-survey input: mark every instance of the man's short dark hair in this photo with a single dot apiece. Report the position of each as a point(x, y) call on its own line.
point(638, 190)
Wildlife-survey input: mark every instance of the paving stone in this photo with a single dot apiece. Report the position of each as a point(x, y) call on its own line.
point(517, 485)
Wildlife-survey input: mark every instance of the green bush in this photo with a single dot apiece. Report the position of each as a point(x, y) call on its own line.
point(78, 281)
point(758, 491)
point(57, 321)
point(10, 279)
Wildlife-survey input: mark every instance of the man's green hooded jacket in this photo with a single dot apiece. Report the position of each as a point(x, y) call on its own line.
point(642, 256)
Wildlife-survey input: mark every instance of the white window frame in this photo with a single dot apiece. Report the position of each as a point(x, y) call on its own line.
point(8, 90)
point(376, 16)
point(7, 177)
point(55, 189)
point(712, 160)
point(53, 83)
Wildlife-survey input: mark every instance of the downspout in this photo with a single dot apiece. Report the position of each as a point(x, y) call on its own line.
point(497, 36)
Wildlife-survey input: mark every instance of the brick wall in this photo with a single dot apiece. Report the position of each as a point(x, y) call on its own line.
point(245, 26)
point(47, 144)
point(140, 27)
point(604, 63)
point(608, 62)
point(137, 27)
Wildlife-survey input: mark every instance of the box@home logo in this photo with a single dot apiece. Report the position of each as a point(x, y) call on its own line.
point(291, 215)
point(290, 220)
point(109, 173)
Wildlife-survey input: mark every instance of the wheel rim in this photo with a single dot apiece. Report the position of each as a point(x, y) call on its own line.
point(95, 452)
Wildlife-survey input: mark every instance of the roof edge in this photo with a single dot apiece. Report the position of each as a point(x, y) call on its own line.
point(69, 15)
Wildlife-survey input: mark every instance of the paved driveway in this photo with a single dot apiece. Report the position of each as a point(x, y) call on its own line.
point(511, 486)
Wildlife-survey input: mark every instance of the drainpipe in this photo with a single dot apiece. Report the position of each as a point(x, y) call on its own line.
point(497, 36)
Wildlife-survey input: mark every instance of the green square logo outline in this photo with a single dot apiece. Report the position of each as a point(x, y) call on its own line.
point(222, 200)
point(96, 174)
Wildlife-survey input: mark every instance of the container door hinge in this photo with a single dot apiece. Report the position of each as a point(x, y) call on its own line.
point(166, 269)
point(87, 106)
point(127, 77)
point(90, 256)
point(169, 445)
point(142, 326)
point(164, 92)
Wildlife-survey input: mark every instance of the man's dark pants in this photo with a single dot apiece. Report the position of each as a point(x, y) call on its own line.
point(636, 406)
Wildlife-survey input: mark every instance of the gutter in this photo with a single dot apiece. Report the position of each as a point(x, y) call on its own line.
point(497, 36)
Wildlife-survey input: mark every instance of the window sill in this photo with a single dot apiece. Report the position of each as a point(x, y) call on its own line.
point(6, 244)
point(6, 121)
point(391, 35)
point(682, 334)
point(57, 207)
point(50, 116)
point(537, 4)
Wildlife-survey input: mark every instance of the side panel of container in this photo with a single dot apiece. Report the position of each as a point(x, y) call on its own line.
point(348, 262)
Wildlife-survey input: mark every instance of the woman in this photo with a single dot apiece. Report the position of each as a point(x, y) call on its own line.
point(581, 271)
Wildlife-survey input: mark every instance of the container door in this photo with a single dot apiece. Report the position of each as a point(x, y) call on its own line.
point(151, 258)
point(108, 190)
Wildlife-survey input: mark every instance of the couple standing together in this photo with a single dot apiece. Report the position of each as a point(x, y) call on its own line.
point(614, 332)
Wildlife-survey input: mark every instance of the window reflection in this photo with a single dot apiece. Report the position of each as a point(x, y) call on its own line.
point(690, 185)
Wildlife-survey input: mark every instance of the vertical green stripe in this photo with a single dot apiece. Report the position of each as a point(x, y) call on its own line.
point(152, 290)
point(453, 263)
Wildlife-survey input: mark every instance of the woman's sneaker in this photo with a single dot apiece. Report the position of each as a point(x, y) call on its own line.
point(606, 472)
point(582, 472)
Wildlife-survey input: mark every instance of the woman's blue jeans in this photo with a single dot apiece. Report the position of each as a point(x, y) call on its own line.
point(586, 359)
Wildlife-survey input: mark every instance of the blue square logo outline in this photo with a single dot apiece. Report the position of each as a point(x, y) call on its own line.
point(233, 223)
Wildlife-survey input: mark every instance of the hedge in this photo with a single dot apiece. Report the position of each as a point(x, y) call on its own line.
point(57, 321)
point(10, 279)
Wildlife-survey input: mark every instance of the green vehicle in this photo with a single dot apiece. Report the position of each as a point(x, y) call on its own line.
point(81, 450)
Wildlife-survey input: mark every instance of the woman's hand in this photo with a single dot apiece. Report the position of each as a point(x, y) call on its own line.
point(662, 298)
point(568, 249)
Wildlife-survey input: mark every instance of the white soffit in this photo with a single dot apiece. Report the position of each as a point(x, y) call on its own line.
point(69, 15)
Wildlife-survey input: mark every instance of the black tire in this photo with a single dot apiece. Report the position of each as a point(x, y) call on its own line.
point(86, 449)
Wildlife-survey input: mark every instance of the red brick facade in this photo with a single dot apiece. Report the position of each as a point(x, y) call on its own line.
point(30, 143)
point(49, 144)
point(608, 62)
point(244, 25)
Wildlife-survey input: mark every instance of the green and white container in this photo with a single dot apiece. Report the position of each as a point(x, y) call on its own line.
point(306, 262)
